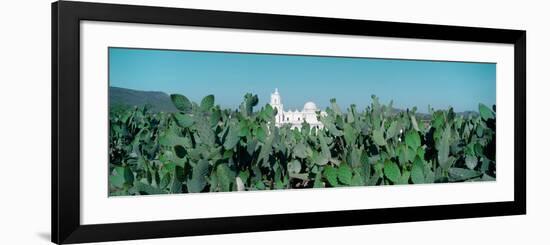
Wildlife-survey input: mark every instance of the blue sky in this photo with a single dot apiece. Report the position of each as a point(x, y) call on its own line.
point(461, 85)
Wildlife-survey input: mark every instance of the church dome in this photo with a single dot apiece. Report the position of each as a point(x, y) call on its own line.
point(310, 106)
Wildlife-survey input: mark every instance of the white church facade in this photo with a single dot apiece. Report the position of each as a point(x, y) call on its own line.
point(295, 118)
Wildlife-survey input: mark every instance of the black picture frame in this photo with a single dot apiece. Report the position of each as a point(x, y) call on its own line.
point(66, 18)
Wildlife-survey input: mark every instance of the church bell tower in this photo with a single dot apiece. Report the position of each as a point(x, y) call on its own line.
point(277, 104)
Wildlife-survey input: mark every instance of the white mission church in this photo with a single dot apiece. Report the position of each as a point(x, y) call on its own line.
point(295, 118)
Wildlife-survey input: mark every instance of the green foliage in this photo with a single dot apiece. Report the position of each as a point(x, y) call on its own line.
point(197, 180)
point(181, 102)
point(331, 174)
point(412, 139)
point(203, 148)
point(344, 174)
point(392, 171)
point(225, 177)
point(378, 137)
point(485, 112)
point(207, 103)
point(417, 171)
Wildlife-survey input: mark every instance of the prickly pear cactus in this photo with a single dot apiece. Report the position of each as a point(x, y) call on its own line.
point(204, 148)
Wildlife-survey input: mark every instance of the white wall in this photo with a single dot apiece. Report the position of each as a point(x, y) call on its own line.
point(25, 121)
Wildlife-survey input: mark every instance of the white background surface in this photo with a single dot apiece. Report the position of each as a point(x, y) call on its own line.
point(97, 208)
point(25, 99)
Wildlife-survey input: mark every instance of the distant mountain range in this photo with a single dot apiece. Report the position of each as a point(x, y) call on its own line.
point(159, 101)
point(465, 114)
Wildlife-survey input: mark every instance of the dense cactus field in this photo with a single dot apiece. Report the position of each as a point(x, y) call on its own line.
point(203, 148)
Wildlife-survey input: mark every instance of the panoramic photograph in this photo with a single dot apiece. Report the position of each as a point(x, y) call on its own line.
point(184, 121)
